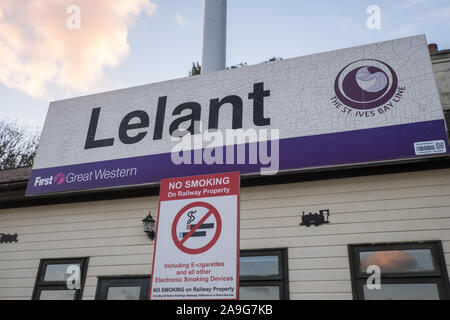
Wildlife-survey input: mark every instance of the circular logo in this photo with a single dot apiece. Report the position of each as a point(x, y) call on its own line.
point(196, 227)
point(366, 84)
point(59, 178)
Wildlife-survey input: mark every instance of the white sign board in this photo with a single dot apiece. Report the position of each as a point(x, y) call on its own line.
point(196, 253)
point(366, 104)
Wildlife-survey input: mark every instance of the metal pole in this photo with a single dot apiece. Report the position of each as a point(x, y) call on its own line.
point(214, 36)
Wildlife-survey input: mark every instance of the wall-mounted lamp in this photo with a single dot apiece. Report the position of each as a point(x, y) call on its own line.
point(149, 226)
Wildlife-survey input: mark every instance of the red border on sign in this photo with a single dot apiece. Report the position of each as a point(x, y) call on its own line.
point(211, 210)
point(163, 197)
point(166, 193)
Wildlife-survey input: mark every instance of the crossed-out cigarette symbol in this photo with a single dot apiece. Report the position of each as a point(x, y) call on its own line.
point(180, 238)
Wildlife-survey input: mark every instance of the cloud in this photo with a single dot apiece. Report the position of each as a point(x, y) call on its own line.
point(180, 20)
point(403, 31)
point(411, 3)
point(389, 261)
point(39, 53)
point(442, 13)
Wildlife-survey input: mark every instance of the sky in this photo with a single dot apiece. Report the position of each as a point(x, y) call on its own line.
point(50, 51)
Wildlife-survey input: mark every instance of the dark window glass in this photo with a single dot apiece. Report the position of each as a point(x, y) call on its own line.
point(403, 291)
point(58, 272)
point(123, 288)
point(57, 295)
point(259, 293)
point(259, 266)
point(447, 118)
point(408, 271)
point(123, 293)
point(398, 260)
point(51, 280)
point(263, 275)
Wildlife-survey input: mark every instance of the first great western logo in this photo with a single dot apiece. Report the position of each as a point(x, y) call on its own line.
point(83, 177)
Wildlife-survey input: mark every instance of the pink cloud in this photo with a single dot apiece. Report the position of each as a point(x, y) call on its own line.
point(389, 261)
point(38, 51)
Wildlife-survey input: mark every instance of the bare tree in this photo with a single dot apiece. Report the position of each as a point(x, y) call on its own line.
point(17, 145)
point(195, 70)
point(239, 65)
point(274, 59)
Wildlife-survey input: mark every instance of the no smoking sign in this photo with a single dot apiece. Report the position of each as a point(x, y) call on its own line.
point(196, 227)
point(196, 250)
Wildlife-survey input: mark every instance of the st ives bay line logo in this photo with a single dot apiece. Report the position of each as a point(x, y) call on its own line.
point(366, 88)
point(72, 177)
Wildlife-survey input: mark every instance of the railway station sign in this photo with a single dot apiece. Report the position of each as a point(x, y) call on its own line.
point(196, 253)
point(372, 103)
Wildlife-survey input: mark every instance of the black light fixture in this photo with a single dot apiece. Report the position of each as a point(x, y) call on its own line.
point(149, 225)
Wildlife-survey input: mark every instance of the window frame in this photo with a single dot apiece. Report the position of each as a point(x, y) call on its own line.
point(447, 120)
point(41, 284)
point(439, 276)
point(281, 280)
point(104, 282)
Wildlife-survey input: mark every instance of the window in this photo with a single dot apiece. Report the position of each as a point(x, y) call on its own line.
point(51, 280)
point(409, 271)
point(263, 275)
point(123, 288)
point(447, 118)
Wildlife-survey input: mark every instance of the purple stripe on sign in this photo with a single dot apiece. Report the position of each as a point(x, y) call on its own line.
point(351, 147)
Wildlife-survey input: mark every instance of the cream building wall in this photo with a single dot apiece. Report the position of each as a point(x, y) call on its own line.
point(441, 67)
point(409, 206)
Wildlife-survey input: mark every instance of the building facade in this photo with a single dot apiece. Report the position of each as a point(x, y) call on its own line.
point(393, 215)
